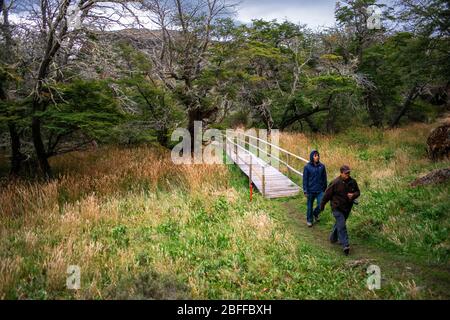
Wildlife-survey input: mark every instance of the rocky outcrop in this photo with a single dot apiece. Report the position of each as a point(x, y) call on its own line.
point(438, 142)
point(434, 177)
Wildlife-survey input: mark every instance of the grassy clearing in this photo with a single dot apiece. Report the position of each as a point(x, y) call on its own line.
point(142, 227)
point(174, 242)
point(391, 214)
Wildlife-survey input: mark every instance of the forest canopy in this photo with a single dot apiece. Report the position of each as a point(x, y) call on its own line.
point(72, 74)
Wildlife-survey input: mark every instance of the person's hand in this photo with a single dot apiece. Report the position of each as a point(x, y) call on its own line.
point(350, 195)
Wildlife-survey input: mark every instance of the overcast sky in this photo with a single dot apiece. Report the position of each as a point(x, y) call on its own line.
point(314, 13)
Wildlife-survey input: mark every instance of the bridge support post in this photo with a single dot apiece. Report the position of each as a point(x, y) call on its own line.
point(235, 149)
point(287, 161)
point(250, 179)
point(263, 181)
point(225, 147)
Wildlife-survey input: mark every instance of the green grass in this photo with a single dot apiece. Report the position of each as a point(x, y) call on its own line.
point(406, 220)
point(198, 247)
point(140, 238)
point(391, 215)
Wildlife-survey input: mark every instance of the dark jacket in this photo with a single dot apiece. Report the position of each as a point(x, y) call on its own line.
point(337, 194)
point(314, 176)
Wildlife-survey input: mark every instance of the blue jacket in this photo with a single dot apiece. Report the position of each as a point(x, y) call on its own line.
point(314, 176)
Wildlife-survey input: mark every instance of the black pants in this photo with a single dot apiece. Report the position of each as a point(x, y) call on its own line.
point(340, 228)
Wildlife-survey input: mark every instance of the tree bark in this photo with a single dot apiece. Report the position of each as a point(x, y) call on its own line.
point(197, 114)
point(412, 95)
point(52, 47)
point(330, 122)
point(288, 121)
point(16, 156)
point(374, 112)
point(39, 147)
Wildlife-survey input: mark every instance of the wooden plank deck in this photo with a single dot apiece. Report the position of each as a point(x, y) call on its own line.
point(277, 185)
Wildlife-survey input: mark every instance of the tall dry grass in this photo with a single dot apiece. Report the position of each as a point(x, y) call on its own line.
point(373, 154)
point(106, 172)
point(385, 162)
point(124, 213)
point(48, 223)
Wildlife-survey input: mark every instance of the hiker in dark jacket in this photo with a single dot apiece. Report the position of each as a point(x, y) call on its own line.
point(314, 184)
point(341, 193)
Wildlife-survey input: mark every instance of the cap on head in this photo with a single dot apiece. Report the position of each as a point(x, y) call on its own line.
point(345, 169)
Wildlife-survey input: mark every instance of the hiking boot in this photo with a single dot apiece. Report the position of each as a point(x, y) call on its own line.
point(346, 250)
point(316, 218)
point(309, 224)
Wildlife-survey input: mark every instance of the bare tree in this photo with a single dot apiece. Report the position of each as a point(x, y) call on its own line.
point(7, 55)
point(47, 40)
point(185, 32)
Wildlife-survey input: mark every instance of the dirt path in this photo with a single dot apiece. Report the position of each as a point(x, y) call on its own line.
point(419, 278)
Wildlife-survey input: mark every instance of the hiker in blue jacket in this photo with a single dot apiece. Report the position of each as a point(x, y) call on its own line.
point(314, 184)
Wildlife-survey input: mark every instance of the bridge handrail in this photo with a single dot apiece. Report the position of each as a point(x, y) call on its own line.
point(273, 145)
point(272, 156)
point(236, 144)
point(262, 166)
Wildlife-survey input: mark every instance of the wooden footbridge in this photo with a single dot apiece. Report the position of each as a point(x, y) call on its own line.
point(255, 158)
